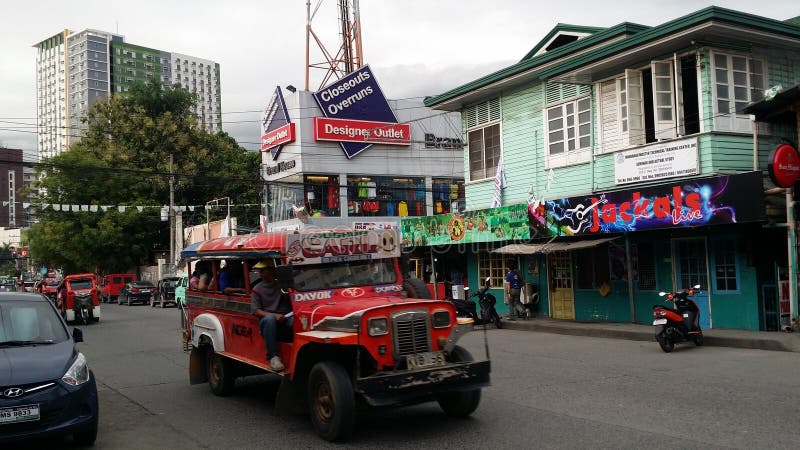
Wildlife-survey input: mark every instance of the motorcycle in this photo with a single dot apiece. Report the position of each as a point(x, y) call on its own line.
point(83, 309)
point(679, 324)
point(486, 301)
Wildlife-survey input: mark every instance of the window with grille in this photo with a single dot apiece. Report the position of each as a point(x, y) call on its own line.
point(725, 278)
point(491, 265)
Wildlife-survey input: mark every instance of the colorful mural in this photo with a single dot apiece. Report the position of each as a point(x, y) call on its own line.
point(688, 203)
point(483, 225)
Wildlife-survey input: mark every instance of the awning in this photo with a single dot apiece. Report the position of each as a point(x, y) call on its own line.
point(549, 247)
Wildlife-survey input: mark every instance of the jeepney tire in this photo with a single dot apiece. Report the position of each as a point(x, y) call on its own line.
point(416, 288)
point(221, 374)
point(462, 403)
point(331, 401)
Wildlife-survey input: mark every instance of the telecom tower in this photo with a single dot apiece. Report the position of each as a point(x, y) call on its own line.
point(348, 57)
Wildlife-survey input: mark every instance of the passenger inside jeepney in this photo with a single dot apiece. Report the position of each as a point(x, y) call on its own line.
point(231, 277)
point(202, 277)
point(274, 318)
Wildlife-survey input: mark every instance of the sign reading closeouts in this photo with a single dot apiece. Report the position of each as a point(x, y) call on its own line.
point(357, 114)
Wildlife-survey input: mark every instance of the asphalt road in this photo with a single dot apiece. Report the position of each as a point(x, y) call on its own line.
point(548, 391)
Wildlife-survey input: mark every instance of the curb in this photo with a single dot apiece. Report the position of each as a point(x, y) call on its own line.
point(575, 329)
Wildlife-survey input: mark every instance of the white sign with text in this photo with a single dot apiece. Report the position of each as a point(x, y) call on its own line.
point(654, 162)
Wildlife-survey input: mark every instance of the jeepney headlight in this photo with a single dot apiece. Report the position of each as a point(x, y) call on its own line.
point(441, 319)
point(378, 326)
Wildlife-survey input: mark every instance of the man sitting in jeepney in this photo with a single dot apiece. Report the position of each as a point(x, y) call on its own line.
point(231, 277)
point(265, 303)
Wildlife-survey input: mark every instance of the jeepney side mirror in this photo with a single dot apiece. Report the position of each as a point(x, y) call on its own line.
point(285, 276)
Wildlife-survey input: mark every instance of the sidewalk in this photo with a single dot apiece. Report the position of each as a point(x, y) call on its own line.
point(762, 340)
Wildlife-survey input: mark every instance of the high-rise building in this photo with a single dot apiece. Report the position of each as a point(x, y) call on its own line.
point(74, 69)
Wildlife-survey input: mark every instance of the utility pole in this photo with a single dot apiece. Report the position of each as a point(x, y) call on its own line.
point(171, 214)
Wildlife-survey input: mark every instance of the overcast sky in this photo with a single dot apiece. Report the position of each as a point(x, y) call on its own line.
point(415, 47)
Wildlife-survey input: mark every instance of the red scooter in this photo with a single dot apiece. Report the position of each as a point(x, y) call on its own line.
point(680, 324)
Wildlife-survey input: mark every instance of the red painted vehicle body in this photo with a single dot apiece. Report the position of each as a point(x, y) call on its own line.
point(73, 290)
point(112, 283)
point(48, 287)
point(356, 337)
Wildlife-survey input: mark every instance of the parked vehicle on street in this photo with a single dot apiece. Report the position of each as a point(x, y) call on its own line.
point(48, 287)
point(111, 285)
point(356, 338)
point(165, 292)
point(679, 324)
point(136, 292)
point(487, 314)
point(180, 290)
point(78, 298)
point(46, 386)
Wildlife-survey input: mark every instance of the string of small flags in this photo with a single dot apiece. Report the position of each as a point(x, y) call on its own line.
point(123, 208)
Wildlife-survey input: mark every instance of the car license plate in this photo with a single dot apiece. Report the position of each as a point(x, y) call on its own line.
point(19, 414)
point(425, 360)
point(145, 291)
point(660, 322)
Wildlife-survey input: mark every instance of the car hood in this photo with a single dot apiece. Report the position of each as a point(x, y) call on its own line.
point(32, 364)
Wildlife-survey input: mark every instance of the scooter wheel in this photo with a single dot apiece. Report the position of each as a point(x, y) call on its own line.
point(666, 344)
point(698, 340)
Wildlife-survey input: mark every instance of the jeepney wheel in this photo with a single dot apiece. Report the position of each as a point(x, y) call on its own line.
point(331, 401)
point(462, 403)
point(220, 374)
point(416, 288)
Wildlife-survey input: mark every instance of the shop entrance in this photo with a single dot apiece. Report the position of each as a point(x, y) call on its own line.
point(691, 268)
point(562, 297)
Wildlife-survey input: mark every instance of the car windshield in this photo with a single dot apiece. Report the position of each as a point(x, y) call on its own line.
point(80, 284)
point(51, 282)
point(338, 275)
point(25, 322)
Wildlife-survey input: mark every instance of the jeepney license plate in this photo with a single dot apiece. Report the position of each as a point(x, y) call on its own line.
point(19, 414)
point(660, 322)
point(425, 360)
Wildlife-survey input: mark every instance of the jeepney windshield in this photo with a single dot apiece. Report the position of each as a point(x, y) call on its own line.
point(344, 274)
point(80, 284)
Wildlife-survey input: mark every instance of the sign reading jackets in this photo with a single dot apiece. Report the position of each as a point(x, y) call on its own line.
point(276, 127)
point(357, 114)
point(699, 201)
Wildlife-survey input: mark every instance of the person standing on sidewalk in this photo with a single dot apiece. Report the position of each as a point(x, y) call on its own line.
point(513, 285)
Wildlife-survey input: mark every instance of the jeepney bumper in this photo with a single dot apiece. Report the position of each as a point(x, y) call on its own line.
point(408, 386)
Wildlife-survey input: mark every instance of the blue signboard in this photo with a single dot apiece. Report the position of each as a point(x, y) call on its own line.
point(355, 96)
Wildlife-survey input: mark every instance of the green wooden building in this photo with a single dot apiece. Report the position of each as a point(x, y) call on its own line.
point(640, 170)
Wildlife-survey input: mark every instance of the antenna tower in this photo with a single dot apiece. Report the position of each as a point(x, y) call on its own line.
point(348, 57)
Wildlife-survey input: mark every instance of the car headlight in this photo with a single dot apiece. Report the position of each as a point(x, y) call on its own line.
point(441, 319)
point(378, 326)
point(78, 372)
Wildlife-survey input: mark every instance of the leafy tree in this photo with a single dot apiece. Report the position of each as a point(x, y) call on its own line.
point(124, 159)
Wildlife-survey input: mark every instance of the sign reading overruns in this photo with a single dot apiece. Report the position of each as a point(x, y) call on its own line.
point(356, 96)
point(276, 127)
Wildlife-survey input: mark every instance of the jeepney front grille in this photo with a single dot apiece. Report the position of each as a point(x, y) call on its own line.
point(411, 332)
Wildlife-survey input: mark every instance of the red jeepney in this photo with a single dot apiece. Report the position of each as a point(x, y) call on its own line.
point(47, 287)
point(78, 299)
point(357, 336)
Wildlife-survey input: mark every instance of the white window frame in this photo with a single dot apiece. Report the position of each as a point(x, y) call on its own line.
point(488, 171)
point(729, 120)
point(579, 154)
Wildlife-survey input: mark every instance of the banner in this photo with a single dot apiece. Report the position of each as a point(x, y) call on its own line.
point(482, 225)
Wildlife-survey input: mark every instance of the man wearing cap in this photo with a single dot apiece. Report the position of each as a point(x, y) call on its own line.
point(264, 303)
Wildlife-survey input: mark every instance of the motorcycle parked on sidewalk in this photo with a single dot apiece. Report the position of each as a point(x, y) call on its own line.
point(679, 324)
point(486, 301)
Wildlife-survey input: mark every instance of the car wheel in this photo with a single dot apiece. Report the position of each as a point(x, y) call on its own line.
point(460, 404)
point(220, 371)
point(331, 401)
point(128, 300)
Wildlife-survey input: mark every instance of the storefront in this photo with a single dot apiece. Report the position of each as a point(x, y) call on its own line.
point(346, 154)
point(605, 256)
